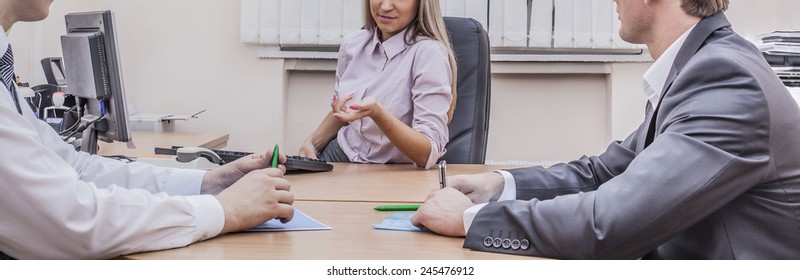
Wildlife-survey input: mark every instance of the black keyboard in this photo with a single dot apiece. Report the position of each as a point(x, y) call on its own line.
point(294, 164)
point(298, 163)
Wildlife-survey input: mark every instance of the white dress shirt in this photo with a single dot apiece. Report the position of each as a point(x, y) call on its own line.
point(656, 75)
point(653, 85)
point(56, 203)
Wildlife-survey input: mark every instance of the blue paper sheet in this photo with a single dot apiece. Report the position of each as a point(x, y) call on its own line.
point(399, 221)
point(301, 221)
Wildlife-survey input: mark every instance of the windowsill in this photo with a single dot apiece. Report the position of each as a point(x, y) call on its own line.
point(501, 63)
point(644, 57)
point(497, 56)
point(278, 54)
point(498, 67)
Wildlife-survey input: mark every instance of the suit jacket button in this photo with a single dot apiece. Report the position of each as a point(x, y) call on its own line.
point(497, 242)
point(487, 242)
point(506, 243)
point(515, 244)
point(524, 244)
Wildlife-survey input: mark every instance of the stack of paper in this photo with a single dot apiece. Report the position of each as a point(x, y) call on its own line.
point(781, 49)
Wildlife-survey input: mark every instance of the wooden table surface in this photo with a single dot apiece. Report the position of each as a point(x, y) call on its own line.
point(352, 238)
point(146, 141)
point(401, 183)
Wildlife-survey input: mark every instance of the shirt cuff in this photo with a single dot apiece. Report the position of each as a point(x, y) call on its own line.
point(469, 215)
point(509, 193)
point(184, 181)
point(509, 188)
point(209, 216)
point(432, 157)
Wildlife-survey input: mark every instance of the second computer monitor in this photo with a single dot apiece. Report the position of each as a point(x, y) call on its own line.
point(93, 73)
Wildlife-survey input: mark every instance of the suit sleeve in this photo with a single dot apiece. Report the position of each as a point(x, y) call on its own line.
point(711, 146)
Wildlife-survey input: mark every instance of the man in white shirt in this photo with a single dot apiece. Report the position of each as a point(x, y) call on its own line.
point(711, 173)
point(56, 203)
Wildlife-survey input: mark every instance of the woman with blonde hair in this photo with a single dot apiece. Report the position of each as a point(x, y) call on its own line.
point(395, 89)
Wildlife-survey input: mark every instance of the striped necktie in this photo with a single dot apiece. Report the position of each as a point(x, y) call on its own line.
point(7, 71)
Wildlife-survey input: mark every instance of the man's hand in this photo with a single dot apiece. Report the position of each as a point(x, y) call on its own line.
point(480, 188)
point(221, 177)
point(257, 197)
point(443, 212)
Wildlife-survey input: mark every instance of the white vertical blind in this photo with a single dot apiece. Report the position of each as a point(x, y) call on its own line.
point(508, 23)
point(564, 24)
point(270, 20)
point(309, 23)
point(496, 22)
point(515, 31)
point(331, 22)
point(513, 24)
point(541, 23)
point(454, 7)
point(250, 22)
point(291, 11)
point(583, 15)
point(352, 16)
point(602, 23)
point(466, 8)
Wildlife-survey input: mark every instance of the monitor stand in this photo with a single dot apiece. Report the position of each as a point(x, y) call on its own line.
point(89, 138)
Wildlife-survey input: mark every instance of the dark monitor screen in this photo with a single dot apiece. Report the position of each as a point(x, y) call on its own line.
point(54, 71)
point(93, 73)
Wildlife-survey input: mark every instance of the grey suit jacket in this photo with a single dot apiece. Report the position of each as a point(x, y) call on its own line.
point(712, 173)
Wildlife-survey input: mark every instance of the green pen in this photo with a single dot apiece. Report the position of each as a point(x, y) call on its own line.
point(410, 207)
point(275, 156)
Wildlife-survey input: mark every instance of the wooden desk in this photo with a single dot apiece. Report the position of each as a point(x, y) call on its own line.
point(402, 183)
point(147, 141)
point(352, 238)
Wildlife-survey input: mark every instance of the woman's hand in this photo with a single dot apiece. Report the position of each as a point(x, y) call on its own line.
point(340, 105)
point(366, 108)
point(308, 150)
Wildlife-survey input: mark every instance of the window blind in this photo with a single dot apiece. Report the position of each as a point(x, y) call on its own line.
point(515, 25)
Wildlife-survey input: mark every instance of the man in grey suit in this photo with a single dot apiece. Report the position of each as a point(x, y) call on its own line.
point(713, 172)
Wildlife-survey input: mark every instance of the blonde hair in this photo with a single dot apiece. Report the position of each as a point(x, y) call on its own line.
point(428, 23)
point(704, 8)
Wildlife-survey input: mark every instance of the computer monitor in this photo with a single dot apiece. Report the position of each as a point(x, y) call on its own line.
point(94, 75)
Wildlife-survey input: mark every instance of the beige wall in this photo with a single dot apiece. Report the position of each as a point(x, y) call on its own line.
point(181, 56)
point(307, 103)
point(554, 111)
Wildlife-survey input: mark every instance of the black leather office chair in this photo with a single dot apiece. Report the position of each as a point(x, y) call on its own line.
point(469, 129)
